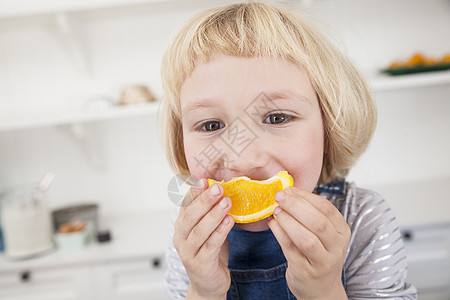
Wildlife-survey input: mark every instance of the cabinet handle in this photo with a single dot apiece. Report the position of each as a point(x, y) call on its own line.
point(407, 235)
point(25, 276)
point(156, 262)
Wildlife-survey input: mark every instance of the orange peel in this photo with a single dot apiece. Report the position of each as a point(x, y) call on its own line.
point(254, 200)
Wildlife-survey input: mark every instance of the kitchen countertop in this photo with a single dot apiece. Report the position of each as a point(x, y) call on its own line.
point(134, 236)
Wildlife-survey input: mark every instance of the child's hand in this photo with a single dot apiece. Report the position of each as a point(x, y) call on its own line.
point(314, 238)
point(200, 238)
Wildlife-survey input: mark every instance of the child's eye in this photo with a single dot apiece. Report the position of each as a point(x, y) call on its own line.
point(277, 118)
point(211, 126)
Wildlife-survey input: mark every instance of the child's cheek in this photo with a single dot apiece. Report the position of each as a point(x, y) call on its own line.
point(197, 167)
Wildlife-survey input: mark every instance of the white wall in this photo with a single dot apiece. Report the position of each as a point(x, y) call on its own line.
point(120, 163)
point(377, 32)
point(408, 159)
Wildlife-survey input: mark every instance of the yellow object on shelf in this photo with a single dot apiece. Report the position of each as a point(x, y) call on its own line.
point(418, 63)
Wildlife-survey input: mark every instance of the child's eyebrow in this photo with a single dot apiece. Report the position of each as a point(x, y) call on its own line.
point(204, 103)
point(285, 95)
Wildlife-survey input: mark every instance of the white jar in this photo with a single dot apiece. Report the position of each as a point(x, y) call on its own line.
point(26, 224)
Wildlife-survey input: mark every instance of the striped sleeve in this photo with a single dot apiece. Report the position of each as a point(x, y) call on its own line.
point(176, 279)
point(376, 265)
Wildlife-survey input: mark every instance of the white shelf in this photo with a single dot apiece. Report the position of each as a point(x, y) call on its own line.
point(24, 8)
point(9, 123)
point(382, 83)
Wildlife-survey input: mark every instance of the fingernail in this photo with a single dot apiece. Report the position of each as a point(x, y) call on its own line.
point(277, 210)
point(224, 202)
point(201, 184)
point(215, 190)
point(279, 196)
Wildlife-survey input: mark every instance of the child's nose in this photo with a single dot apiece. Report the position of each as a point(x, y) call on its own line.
point(249, 159)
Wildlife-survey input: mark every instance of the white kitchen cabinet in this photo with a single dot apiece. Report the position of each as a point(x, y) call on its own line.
point(428, 252)
point(131, 280)
point(72, 283)
point(130, 267)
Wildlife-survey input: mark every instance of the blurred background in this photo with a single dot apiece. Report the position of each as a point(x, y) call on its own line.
point(79, 96)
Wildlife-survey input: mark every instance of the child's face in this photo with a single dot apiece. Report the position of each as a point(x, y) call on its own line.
point(252, 117)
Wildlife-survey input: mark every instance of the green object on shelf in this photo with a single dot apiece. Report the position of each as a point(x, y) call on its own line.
point(416, 69)
point(2, 246)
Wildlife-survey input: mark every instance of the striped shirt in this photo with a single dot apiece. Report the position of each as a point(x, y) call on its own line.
point(375, 266)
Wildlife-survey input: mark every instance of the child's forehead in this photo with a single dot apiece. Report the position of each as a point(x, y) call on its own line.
point(270, 72)
point(205, 59)
point(260, 65)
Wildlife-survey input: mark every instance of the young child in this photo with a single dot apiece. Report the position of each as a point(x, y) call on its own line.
point(250, 90)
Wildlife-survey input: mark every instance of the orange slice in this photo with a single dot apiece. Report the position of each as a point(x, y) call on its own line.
point(254, 200)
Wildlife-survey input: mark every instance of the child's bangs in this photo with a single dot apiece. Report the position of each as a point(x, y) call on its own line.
point(248, 31)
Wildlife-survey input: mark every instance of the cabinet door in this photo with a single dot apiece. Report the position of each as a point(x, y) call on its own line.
point(131, 280)
point(428, 252)
point(51, 284)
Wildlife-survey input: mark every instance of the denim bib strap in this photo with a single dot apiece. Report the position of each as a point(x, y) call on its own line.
point(257, 266)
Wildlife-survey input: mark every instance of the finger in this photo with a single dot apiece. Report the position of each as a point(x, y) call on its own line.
point(298, 236)
point(214, 245)
point(309, 216)
point(194, 192)
point(190, 215)
point(326, 208)
point(290, 250)
point(206, 226)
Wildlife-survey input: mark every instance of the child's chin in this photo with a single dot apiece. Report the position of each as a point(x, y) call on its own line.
point(255, 226)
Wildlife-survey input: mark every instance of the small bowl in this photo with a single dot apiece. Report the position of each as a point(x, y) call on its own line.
point(87, 212)
point(73, 240)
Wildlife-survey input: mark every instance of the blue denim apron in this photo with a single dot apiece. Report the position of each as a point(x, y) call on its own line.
point(257, 263)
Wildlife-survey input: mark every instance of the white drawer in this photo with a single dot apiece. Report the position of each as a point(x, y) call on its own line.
point(49, 284)
point(131, 280)
point(428, 251)
point(434, 295)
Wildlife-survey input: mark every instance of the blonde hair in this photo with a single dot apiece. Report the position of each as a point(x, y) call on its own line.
point(257, 29)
